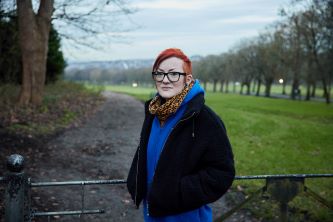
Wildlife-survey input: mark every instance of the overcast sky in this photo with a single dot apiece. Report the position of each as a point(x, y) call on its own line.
point(198, 27)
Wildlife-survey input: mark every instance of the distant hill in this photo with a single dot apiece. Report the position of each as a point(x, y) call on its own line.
point(117, 64)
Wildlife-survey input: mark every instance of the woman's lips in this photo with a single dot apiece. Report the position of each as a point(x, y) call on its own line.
point(166, 88)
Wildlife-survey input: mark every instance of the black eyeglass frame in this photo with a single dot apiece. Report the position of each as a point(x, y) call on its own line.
point(167, 75)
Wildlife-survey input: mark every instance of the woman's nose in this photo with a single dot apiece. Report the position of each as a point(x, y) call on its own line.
point(165, 80)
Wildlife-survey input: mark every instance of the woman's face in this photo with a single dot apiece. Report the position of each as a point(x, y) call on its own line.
point(167, 89)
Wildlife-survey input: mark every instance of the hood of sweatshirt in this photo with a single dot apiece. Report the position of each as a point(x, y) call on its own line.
point(196, 89)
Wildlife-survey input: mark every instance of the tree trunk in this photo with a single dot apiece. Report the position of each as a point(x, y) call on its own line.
point(284, 88)
point(258, 87)
point(33, 37)
point(248, 91)
point(313, 92)
point(234, 87)
point(227, 86)
point(221, 86)
point(323, 77)
point(308, 92)
point(326, 91)
point(241, 89)
point(214, 85)
point(294, 88)
point(268, 88)
point(254, 86)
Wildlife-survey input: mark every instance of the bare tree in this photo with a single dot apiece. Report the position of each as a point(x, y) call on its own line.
point(310, 36)
point(295, 50)
point(317, 29)
point(200, 70)
point(34, 27)
point(245, 59)
point(214, 68)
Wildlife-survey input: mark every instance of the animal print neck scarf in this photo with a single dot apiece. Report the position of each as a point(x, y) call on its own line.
point(163, 111)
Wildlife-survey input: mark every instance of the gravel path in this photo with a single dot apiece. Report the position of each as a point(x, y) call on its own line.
point(101, 148)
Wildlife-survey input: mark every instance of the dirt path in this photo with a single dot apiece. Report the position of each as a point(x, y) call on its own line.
point(102, 148)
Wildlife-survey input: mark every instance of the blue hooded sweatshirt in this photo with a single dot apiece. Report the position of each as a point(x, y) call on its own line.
point(157, 139)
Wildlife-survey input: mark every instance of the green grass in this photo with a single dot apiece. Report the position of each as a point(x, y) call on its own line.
point(274, 136)
point(286, 133)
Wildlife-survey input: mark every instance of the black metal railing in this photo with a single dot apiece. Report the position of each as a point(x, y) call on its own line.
point(75, 183)
point(282, 188)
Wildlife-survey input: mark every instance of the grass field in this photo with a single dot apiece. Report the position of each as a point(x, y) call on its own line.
point(274, 136)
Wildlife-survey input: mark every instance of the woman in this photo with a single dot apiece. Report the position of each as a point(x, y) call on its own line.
point(184, 159)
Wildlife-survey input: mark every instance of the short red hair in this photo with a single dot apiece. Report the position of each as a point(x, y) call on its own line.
point(173, 52)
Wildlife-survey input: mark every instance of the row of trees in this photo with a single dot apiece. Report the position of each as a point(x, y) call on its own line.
point(297, 49)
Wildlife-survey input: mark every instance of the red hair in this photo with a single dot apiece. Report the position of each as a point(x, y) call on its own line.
point(174, 52)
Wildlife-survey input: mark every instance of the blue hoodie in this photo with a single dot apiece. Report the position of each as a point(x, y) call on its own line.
point(157, 139)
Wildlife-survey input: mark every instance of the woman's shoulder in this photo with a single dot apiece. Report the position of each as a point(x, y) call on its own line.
point(146, 104)
point(209, 117)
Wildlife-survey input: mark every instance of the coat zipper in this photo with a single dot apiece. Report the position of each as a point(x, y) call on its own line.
point(163, 149)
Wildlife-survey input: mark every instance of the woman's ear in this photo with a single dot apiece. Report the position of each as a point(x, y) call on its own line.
point(188, 79)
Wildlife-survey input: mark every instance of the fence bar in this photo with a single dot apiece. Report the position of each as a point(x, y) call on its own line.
point(122, 181)
point(239, 206)
point(74, 212)
point(88, 182)
point(255, 177)
point(308, 192)
point(16, 184)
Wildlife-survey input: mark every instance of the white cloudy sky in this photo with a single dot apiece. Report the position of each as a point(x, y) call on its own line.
point(199, 27)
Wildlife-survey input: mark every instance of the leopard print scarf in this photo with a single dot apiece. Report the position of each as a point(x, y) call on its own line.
point(163, 111)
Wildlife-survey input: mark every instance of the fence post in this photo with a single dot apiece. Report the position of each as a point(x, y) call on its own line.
point(15, 189)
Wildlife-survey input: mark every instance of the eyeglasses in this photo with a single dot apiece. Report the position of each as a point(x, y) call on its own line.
point(172, 76)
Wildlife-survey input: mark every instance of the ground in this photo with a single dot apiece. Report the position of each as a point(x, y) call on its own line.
point(102, 147)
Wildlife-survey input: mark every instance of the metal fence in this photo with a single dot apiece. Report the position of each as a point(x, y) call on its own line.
point(282, 188)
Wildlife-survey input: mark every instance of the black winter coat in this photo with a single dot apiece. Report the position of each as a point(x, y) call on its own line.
point(195, 167)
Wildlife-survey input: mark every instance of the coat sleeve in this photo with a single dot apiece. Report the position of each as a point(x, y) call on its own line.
point(216, 172)
point(131, 175)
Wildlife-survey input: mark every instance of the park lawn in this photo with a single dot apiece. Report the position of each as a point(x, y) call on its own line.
point(281, 136)
point(274, 136)
point(278, 136)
